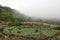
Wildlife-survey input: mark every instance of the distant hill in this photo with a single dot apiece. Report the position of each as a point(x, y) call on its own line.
point(14, 17)
point(8, 14)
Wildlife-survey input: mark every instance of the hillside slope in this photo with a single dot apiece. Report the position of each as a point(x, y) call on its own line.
point(11, 15)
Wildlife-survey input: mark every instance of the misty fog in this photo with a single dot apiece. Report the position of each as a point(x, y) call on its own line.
point(35, 8)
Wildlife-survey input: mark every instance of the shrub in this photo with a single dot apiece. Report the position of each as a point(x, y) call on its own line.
point(57, 28)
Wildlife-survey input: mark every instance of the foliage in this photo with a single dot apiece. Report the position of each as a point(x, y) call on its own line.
point(56, 28)
point(11, 15)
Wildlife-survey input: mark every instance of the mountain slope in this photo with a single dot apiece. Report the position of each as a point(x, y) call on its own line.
point(11, 15)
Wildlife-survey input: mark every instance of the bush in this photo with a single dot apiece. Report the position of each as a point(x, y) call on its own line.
point(57, 28)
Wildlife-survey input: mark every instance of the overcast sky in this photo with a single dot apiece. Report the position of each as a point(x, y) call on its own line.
point(35, 8)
